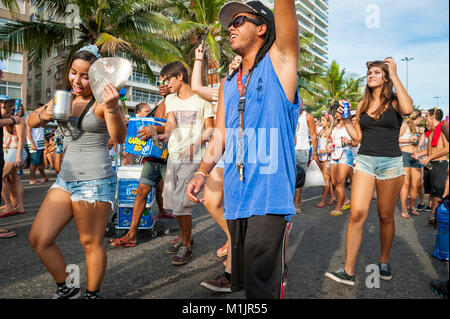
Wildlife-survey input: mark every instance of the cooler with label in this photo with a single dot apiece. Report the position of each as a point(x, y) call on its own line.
point(127, 182)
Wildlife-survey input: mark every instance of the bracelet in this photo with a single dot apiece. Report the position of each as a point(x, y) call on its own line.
point(199, 60)
point(202, 171)
point(198, 172)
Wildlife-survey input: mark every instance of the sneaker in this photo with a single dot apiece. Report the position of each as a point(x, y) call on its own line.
point(90, 296)
point(183, 255)
point(65, 292)
point(385, 271)
point(427, 209)
point(175, 244)
point(219, 284)
point(440, 288)
point(341, 276)
point(420, 207)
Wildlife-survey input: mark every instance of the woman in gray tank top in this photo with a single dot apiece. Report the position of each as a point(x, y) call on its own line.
point(85, 186)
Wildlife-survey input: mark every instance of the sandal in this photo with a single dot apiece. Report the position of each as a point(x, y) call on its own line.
point(120, 242)
point(405, 215)
point(320, 206)
point(415, 212)
point(223, 251)
point(6, 233)
point(336, 213)
point(167, 215)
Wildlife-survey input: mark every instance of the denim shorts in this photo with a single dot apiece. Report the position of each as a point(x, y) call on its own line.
point(96, 190)
point(152, 173)
point(37, 158)
point(11, 153)
point(409, 161)
point(346, 158)
point(382, 168)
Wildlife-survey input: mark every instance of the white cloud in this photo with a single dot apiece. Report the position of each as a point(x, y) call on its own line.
point(416, 29)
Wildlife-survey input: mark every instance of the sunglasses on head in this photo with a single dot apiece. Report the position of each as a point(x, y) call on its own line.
point(237, 22)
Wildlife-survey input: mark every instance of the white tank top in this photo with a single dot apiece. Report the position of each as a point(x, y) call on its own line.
point(302, 133)
point(407, 135)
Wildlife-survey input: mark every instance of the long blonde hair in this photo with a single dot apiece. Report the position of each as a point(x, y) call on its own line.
point(410, 121)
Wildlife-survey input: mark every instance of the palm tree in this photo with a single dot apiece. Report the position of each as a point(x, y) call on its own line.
point(197, 20)
point(337, 86)
point(118, 27)
point(308, 74)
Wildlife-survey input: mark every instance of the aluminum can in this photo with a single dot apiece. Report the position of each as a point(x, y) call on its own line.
point(17, 106)
point(346, 111)
point(62, 105)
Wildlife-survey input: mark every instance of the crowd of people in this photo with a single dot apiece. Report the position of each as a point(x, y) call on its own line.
point(217, 138)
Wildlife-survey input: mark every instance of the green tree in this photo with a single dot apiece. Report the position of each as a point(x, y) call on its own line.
point(337, 86)
point(126, 27)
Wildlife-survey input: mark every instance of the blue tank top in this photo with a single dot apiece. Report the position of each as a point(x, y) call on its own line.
point(270, 121)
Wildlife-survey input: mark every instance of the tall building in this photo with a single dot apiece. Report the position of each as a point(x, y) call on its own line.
point(14, 82)
point(312, 18)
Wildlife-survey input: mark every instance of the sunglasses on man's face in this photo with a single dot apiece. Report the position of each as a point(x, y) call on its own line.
point(237, 22)
point(161, 83)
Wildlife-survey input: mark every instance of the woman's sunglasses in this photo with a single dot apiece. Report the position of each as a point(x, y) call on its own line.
point(237, 22)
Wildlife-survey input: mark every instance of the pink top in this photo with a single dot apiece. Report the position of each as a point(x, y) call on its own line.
point(10, 140)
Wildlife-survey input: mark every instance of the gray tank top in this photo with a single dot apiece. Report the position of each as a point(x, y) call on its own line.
point(86, 154)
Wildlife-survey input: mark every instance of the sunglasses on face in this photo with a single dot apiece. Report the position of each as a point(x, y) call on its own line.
point(237, 22)
point(161, 83)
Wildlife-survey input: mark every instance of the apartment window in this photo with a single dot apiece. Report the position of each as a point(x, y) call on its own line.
point(144, 96)
point(14, 63)
point(11, 89)
point(140, 77)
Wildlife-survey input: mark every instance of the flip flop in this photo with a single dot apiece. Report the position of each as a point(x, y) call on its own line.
point(120, 242)
point(336, 213)
point(346, 206)
point(320, 206)
point(332, 203)
point(407, 215)
point(415, 212)
point(167, 215)
point(9, 214)
point(6, 231)
point(298, 210)
point(20, 213)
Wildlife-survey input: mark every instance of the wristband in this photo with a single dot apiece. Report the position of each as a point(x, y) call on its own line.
point(202, 171)
point(114, 111)
point(199, 60)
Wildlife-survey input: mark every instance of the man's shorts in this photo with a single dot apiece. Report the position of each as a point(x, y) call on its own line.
point(434, 179)
point(178, 175)
point(382, 168)
point(37, 158)
point(152, 173)
point(258, 255)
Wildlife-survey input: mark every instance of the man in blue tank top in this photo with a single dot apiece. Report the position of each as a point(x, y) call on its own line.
point(260, 171)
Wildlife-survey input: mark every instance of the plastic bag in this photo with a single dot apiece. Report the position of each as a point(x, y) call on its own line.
point(314, 176)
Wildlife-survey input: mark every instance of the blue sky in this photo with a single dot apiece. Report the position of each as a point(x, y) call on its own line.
point(418, 29)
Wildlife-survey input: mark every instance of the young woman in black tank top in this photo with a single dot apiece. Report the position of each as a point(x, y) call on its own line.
point(87, 200)
point(379, 163)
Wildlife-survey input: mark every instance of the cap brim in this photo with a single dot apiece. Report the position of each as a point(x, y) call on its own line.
point(230, 9)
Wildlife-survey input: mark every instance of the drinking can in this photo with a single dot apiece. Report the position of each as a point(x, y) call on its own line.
point(62, 105)
point(346, 111)
point(17, 106)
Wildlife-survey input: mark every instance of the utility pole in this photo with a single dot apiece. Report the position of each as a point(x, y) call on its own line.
point(437, 100)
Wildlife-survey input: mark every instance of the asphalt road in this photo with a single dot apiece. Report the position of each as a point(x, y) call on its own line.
point(316, 245)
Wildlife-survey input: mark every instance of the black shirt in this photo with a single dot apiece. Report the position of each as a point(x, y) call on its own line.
point(380, 137)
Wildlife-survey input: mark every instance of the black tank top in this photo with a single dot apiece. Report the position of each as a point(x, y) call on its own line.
point(380, 137)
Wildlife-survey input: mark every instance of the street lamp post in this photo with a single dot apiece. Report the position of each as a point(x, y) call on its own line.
point(437, 100)
point(406, 59)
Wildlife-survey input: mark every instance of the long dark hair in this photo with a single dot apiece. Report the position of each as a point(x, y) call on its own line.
point(387, 92)
point(269, 39)
point(82, 55)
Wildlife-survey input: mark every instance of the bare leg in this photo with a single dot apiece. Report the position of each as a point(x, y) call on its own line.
point(185, 224)
point(91, 220)
point(404, 192)
point(17, 190)
point(388, 192)
point(341, 172)
point(213, 195)
point(362, 190)
point(53, 215)
point(416, 181)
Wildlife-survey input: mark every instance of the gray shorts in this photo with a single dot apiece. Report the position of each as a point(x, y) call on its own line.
point(178, 175)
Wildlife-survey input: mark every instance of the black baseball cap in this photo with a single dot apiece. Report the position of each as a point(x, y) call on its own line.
point(231, 8)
